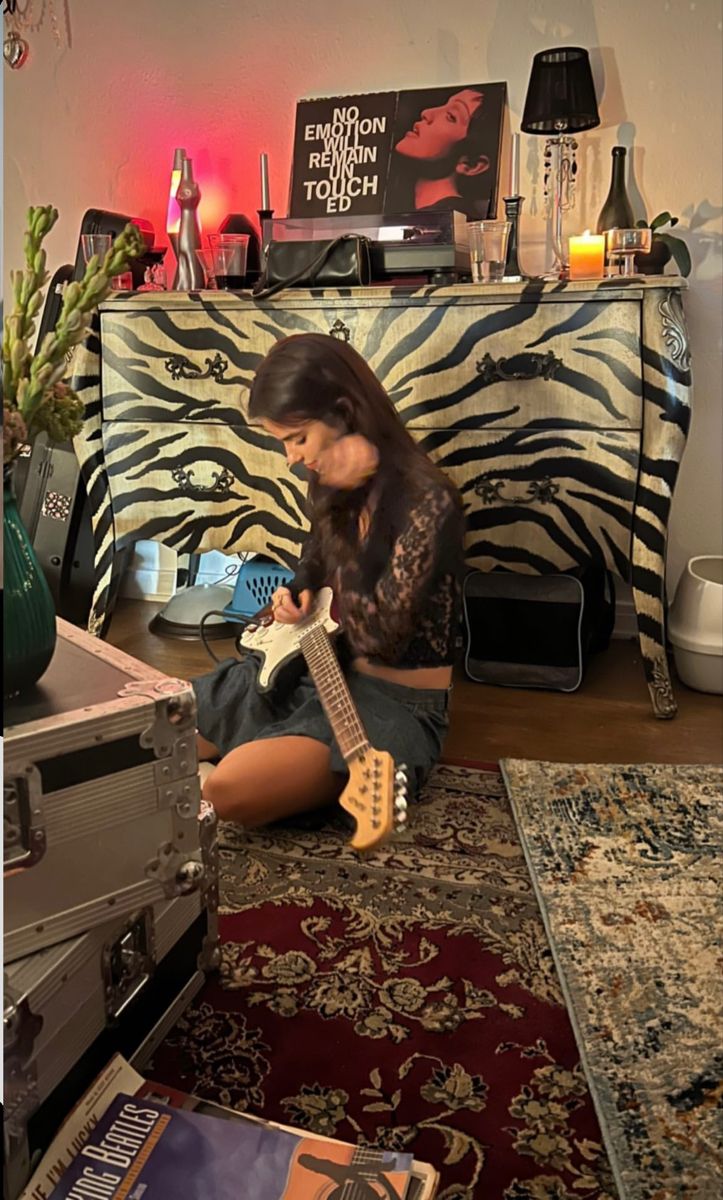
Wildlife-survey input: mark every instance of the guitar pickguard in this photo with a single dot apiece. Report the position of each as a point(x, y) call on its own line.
point(277, 643)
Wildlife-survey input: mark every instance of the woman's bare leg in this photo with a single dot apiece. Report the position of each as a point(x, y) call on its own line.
point(206, 749)
point(272, 778)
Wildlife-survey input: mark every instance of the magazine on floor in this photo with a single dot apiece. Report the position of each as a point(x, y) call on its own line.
point(129, 1137)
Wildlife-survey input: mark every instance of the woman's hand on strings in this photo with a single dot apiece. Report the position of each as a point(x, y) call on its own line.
point(285, 610)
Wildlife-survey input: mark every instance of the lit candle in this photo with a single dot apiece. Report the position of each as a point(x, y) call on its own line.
point(265, 181)
point(515, 166)
point(587, 256)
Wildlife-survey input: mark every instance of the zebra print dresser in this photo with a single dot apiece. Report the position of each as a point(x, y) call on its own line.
point(560, 410)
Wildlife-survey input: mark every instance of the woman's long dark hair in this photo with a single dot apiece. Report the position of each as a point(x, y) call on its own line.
point(315, 377)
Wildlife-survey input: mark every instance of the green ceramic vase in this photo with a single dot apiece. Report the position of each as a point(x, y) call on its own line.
point(29, 612)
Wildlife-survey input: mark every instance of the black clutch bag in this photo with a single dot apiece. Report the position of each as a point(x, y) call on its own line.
point(341, 262)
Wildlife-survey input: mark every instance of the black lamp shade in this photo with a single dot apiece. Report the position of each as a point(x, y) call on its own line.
point(561, 94)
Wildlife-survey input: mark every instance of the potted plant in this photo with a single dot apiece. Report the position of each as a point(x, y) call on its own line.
point(664, 247)
point(37, 396)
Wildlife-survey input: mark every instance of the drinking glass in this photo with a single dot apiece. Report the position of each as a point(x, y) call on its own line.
point(95, 243)
point(623, 245)
point(233, 276)
point(206, 259)
point(488, 249)
point(216, 261)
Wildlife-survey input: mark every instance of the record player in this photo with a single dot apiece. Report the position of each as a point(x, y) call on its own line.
point(431, 244)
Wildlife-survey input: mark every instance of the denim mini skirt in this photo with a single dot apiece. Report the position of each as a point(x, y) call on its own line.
point(409, 723)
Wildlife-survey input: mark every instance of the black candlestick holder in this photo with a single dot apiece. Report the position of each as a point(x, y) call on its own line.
point(513, 204)
point(265, 214)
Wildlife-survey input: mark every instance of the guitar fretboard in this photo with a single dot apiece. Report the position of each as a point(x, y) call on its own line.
point(333, 692)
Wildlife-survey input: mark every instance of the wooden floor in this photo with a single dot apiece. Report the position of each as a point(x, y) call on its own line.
point(609, 719)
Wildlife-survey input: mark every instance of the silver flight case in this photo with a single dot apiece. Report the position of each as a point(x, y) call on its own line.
point(101, 795)
point(121, 986)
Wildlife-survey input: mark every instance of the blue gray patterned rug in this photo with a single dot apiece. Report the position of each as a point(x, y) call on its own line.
point(626, 864)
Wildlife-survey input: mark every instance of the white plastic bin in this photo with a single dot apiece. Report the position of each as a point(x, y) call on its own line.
point(695, 624)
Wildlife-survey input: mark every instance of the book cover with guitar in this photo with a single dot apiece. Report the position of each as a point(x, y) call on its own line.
point(142, 1147)
point(118, 1077)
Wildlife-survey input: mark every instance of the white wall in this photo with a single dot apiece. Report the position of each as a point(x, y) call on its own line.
point(94, 123)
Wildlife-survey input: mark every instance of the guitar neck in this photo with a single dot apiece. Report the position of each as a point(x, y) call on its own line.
point(333, 692)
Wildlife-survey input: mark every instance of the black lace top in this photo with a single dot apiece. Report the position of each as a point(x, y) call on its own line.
point(399, 602)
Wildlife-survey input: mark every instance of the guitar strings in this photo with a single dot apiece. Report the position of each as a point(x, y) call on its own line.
point(333, 690)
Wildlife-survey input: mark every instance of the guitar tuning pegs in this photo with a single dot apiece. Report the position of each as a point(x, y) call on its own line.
point(400, 806)
point(400, 796)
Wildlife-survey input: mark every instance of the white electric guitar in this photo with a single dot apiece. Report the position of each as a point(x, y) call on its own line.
point(376, 794)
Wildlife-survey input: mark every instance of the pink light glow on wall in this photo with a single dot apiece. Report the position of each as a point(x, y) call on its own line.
point(218, 179)
point(225, 158)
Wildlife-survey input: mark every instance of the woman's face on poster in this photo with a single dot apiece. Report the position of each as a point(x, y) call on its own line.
point(438, 129)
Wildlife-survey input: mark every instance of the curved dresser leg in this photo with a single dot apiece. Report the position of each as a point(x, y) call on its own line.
point(665, 422)
point(105, 597)
point(650, 614)
point(86, 381)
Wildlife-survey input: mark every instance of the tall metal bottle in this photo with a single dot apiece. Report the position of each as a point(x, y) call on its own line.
point(189, 273)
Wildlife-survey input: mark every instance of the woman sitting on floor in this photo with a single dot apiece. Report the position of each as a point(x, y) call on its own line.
point(386, 534)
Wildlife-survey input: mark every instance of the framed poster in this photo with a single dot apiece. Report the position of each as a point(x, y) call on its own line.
point(426, 149)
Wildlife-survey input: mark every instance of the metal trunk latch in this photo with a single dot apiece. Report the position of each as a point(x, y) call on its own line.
point(128, 962)
point(178, 872)
point(23, 820)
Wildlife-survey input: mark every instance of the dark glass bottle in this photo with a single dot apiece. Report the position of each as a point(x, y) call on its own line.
point(616, 212)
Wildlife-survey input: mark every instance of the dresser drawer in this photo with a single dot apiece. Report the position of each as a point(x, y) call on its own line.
point(179, 365)
point(203, 487)
point(446, 364)
point(198, 364)
point(477, 366)
point(538, 502)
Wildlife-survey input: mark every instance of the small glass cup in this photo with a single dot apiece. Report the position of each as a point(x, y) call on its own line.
point(236, 245)
point(622, 245)
point(488, 249)
point(95, 243)
point(122, 282)
point(205, 257)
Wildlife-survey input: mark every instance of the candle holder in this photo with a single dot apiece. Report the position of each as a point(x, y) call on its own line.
point(265, 214)
point(623, 245)
point(513, 273)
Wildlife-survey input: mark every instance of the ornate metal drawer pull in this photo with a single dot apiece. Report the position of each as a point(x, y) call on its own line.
point(180, 367)
point(222, 481)
point(541, 491)
point(340, 330)
point(525, 365)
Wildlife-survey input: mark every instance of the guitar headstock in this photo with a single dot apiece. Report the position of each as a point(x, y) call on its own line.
point(376, 797)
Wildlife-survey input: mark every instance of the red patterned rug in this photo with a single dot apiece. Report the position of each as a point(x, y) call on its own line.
point(408, 1000)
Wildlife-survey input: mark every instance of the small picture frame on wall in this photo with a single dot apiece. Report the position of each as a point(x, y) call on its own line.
point(422, 150)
